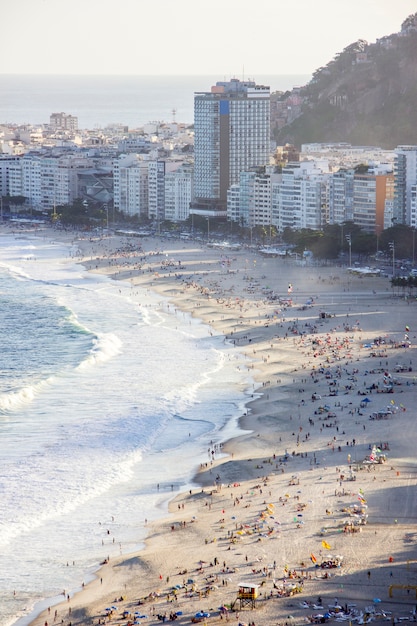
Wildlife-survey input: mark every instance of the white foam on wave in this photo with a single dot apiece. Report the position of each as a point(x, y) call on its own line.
point(64, 482)
point(105, 347)
point(15, 271)
point(16, 400)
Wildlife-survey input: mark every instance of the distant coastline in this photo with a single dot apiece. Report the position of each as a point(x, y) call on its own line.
point(100, 100)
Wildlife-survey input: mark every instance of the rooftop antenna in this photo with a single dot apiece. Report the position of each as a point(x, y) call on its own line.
point(243, 73)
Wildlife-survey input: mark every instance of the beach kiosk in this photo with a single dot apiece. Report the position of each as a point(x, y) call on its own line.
point(246, 595)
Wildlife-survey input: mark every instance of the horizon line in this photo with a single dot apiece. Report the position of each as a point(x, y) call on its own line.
point(155, 74)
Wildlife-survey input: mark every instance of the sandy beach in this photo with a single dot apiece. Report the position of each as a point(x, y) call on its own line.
point(313, 507)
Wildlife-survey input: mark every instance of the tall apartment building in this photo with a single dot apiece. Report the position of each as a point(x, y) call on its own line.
point(233, 205)
point(179, 193)
point(413, 207)
point(130, 180)
point(255, 206)
point(341, 196)
point(302, 196)
point(405, 172)
point(231, 135)
point(156, 190)
point(158, 170)
point(370, 192)
point(6, 163)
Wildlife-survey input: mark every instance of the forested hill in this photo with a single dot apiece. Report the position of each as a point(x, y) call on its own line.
point(367, 95)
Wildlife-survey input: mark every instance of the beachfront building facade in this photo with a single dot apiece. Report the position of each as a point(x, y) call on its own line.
point(130, 185)
point(413, 207)
point(231, 135)
point(26, 179)
point(300, 199)
point(47, 182)
point(405, 173)
point(179, 192)
point(156, 190)
point(161, 207)
point(249, 203)
point(7, 161)
point(371, 190)
point(341, 196)
point(296, 198)
point(233, 205)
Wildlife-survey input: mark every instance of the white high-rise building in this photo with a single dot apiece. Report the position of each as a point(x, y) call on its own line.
point(231, 135)
point(341, 196)
point(130, 180)
point(156, 190)
point(157, 172)
point(233, 205)
point(405, 171)
point(7, 161)
point(303, 193)
point(179, 193)
point(255, 197)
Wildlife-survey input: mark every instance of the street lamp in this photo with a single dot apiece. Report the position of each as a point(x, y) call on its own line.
point(414, 242)
point(378, 232)
point(392, 248)
point(349, 240)
point(208, 227)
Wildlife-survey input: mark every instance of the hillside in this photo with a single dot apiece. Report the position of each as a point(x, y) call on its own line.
point(367, 95)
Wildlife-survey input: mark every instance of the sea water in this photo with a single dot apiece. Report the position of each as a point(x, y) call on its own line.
point(98, 101)
point(109, 401)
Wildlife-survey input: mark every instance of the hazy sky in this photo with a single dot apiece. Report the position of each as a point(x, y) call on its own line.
point(224, 37)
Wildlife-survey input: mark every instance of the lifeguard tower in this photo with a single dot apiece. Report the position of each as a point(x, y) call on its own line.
point(246, 595)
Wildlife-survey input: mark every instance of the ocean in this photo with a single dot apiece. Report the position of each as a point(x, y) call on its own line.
point(109, 401)
point(99, 101)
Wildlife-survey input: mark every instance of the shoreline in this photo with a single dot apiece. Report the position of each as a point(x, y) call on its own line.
point(248, 321)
